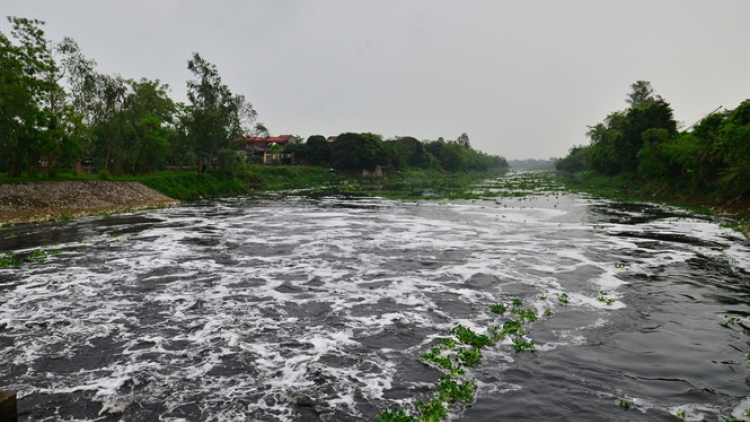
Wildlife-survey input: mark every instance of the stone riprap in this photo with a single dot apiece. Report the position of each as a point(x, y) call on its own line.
point(39, 201)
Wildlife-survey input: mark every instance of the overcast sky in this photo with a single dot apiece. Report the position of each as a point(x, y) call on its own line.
point(522, 78)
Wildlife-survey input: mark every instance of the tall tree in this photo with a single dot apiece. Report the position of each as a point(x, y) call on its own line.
point(641, 91)
point(217, 116)
point(463, 140)
point(149, 111)
point(27, 95)
point(109, 122)
point(354, 151)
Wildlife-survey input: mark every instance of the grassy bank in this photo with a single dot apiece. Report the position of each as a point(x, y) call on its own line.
point(626, 189)
point(188, 185)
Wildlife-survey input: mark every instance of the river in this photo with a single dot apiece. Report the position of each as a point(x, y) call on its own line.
point(318, 309)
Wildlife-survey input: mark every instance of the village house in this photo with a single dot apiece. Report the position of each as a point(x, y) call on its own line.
point(261, 149)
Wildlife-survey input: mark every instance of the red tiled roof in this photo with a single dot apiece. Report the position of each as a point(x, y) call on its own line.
point(281, 139)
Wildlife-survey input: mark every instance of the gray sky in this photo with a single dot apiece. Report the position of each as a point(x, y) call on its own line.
point(522, 78)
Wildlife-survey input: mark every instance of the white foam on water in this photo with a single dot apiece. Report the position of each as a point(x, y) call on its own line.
point(187, 296)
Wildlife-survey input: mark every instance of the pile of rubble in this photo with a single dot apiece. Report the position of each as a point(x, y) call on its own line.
point(39, 201)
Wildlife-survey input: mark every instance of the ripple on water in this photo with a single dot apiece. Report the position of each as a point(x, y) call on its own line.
point(302, 309)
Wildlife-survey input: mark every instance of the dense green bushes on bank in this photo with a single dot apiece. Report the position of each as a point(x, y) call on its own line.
point(641, 147)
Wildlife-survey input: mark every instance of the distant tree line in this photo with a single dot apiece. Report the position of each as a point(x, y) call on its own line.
point(58, 114)
point(366, 151)
point(644, 143)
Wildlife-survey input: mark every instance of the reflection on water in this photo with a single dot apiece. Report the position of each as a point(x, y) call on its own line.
point(305, 309)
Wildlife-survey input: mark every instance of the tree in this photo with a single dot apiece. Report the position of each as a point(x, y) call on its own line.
point(616, 142)
point(318, 150)
point(260, 129)
point(149, 112)
point(354, 151)
point(27, 96)
point(734, 147)
point(412, 151)
point(217, 116)
point(654, 161)
point(109, 122)
point(641, 92)
point(463, 140)
point(453, 157)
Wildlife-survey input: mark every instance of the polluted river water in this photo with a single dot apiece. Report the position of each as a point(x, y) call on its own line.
point(322, 309)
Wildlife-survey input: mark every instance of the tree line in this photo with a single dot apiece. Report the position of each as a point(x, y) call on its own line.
point(366, 151)
point(57, 111)
point(644, 143)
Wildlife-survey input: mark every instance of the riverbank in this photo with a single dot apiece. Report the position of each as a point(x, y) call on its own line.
point(35, 200)
point(623, 189)
point(27, 202)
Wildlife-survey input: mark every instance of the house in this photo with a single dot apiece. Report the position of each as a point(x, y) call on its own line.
point(258, 148)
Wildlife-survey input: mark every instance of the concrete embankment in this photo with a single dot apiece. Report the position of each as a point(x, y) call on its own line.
point(39, 201)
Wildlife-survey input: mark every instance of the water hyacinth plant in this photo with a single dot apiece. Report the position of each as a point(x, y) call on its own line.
point(498, 309)
point(522, 345)
point(442, 361)
point(453, 391)
point(9, 260)
point(469, 337)
point(470, 357)
point(452, 355)
point(604, 299)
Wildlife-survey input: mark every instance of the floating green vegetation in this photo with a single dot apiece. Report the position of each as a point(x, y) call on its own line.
point(447, 343)
point(37, 256)
point(452, 390)
point(529, 315)
point(469, 337)
point(604, 299)
point(436, 356)
point(395, 415)
point(624, 404)
point(563, 298)
point(470, 357)
point(463, 350)
point(522, 345)
point(512, 327)
point(681, 414)
point(620, 265)
point(498, 309)
point(9, 260)
point(432, 411)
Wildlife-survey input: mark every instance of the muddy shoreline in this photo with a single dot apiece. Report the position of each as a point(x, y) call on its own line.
point(28, 202)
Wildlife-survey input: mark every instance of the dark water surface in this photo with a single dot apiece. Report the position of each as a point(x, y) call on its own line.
point(298, 309)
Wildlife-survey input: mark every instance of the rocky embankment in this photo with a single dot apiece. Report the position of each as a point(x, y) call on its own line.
point(38, 201)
